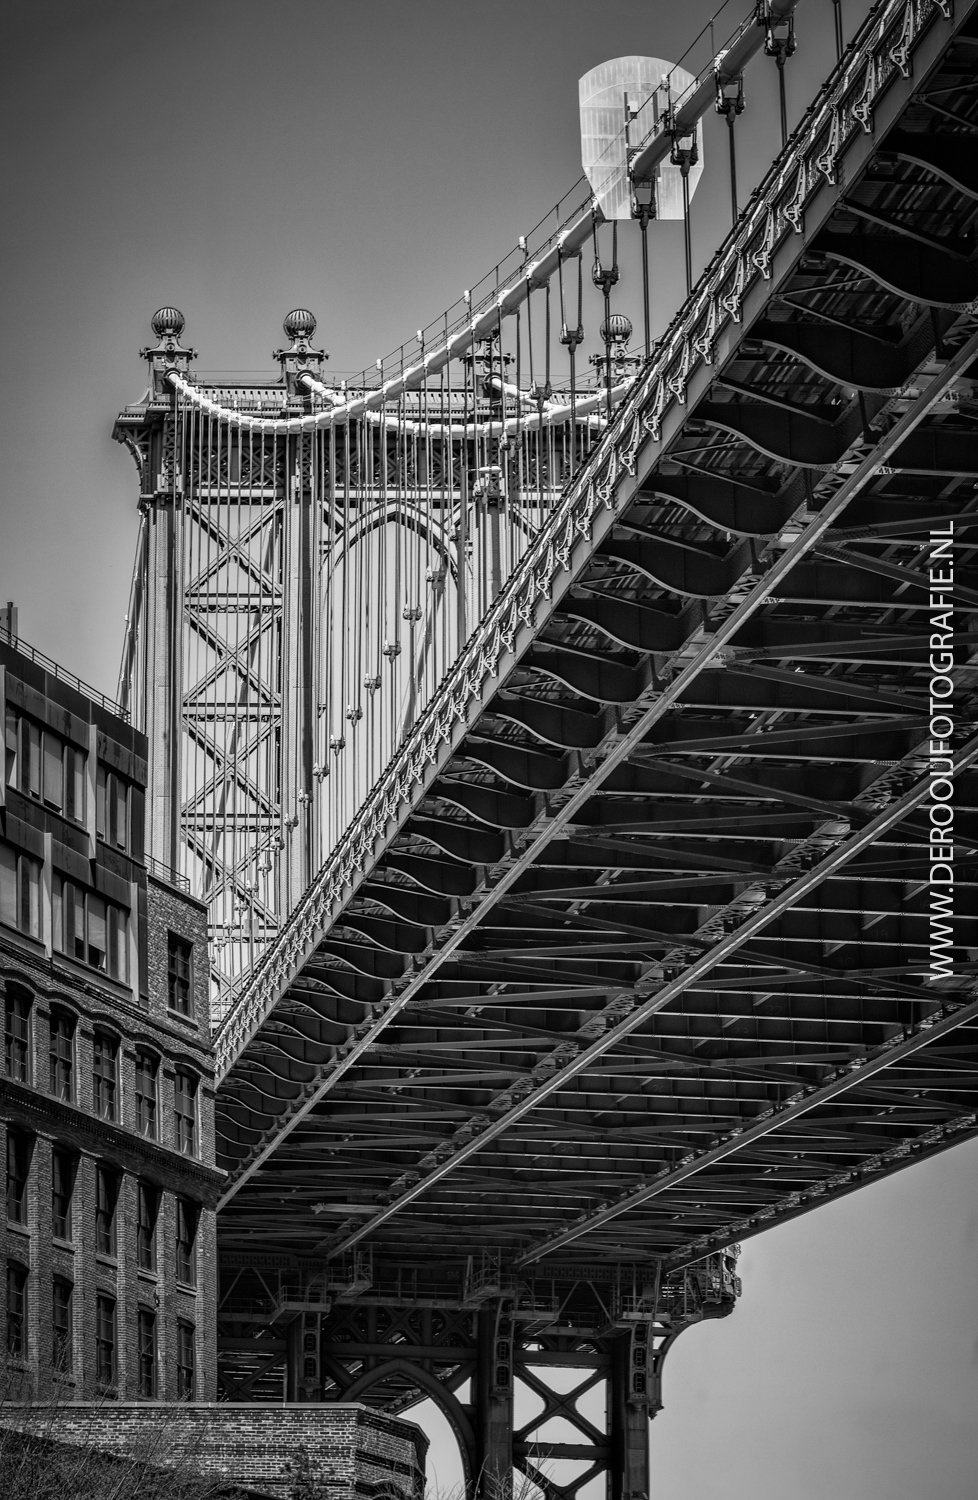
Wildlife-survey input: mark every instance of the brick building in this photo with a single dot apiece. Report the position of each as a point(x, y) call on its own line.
point(352, 1452)
point(108, 1297)
point(106, 1098)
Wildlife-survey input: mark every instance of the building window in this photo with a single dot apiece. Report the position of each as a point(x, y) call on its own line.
point(146, 1334)
point(105, 1340)
point(16, 1310)
point(20, 891)
point(111, 807)
point(179, 974)
point(29, 757)
point(11, 747)
point(105, 1064)
point(147, 1208)
point(40, 764)
point(68, 918)
point(186, 1364)
point(62, 1351)
point(106, 1197)
point(62, 1188)
point(185, 1111)
point(147, 1069)
point(52, 770)
point(89, 928)
point(75, 784)
point(18, 1174)
point(186, 1242)
point(61, 1054)
point(17, 1034)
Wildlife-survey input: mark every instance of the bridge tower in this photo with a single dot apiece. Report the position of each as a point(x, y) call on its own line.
point(298, 592)
point(221, 666)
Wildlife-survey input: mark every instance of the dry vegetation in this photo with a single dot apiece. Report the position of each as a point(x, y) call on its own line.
point(35, 1465)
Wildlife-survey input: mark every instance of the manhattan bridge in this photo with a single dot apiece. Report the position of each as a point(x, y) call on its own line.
point(545, 717)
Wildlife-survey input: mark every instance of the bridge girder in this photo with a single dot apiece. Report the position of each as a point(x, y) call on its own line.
point(673, 887)
point(641, 967)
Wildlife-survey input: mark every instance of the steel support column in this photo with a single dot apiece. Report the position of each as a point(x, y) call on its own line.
point(163, 628)
point(632, 1402)
point(492, 1401)
point(295, 764)
point(303, 1373)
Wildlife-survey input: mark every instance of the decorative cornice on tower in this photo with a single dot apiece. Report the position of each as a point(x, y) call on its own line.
point(299, 358)
point(169, 354)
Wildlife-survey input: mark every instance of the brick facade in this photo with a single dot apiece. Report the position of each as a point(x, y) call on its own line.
point(107, 1099)
point(354, 1452)
point(55, 961)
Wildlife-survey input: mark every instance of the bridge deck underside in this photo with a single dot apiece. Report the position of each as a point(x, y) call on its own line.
point(663, 918)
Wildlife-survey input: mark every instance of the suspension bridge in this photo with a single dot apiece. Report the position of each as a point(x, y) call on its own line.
point(569, 747)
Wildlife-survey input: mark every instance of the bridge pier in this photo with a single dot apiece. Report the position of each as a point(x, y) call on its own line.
point(492, 1477)
point(303, 1363)
point(630, 1411)
point(551, 1380)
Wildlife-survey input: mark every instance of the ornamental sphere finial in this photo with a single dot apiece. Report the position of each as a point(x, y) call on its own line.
point(617, 329)
point(168, 322)
point(299, 324)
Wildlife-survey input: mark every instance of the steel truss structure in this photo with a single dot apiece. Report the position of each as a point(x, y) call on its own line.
point(554, 1375)
point(628, 954)
point(643, 966)
point(660, 905)
point(296, 600)
point(313, 555)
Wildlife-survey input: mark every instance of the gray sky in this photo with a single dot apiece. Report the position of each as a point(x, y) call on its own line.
point(370, 161)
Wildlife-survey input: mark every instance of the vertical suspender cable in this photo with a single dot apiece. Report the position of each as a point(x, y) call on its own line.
point(570, 337)
point(687, 237)
point(496, 497)
point(646, 315)
point(331, 663)
point(453, 533)
point(400, 538)
point(520, 433)
point(779, 43)
point(733, 168)
point(347, 601)
point(604, 280)
point(729, 102)
point(547, 434)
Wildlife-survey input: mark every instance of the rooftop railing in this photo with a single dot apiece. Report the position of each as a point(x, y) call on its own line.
point(58, 671)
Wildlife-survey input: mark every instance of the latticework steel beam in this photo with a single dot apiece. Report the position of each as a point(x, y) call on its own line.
point(644, 962)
